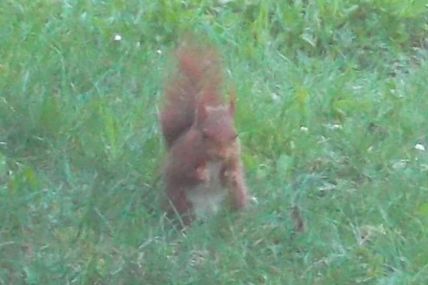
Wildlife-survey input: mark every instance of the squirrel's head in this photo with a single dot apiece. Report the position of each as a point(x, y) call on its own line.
point(217, 129)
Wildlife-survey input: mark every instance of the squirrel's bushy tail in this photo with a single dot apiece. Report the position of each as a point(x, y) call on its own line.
point(198, 79)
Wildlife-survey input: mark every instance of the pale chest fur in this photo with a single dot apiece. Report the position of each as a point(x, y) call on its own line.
point(207, 198)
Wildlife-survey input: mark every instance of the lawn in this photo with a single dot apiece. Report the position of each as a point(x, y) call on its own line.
point(332, 116)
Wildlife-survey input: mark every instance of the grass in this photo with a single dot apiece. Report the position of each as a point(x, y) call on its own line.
point(331, 112)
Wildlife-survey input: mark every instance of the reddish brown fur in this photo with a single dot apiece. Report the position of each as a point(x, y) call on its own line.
point(198, 127)
point(198, 69)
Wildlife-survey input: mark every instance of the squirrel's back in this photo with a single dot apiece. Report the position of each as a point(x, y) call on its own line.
point(197, 79)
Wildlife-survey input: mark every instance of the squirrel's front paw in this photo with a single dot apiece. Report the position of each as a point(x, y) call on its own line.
point(231, 176)
point(202, 173)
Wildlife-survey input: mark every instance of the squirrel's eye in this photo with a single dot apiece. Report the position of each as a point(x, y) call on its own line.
point(205, 135)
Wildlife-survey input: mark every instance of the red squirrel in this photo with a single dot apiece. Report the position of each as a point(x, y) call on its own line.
point(203, 164)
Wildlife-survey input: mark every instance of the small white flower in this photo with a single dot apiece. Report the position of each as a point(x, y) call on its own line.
point(254, 200)
point(420, 147)
point(117, 38)
point(334, 126)
point(159, 51)
point(304, 129)
point(275, 97)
